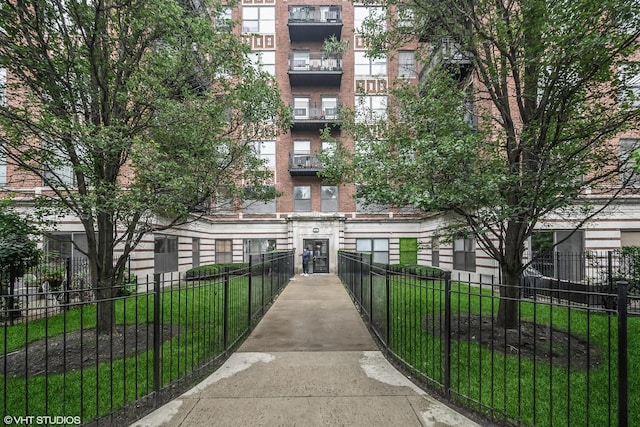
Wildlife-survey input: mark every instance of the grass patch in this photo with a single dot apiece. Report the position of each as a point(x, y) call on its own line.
point(510, 384)
point(192, 316)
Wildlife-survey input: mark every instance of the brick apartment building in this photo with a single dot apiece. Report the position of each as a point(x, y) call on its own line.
point(287, 40)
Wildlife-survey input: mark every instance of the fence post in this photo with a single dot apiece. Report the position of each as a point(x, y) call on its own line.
point(249, 291)
point(156, 339)
point(388, 304)
point(623, 385)
point(447, 335)
point(225, 309)
point(66, 285)
point(371, 290)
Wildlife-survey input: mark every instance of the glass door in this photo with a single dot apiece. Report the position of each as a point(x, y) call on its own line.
point(320, 251)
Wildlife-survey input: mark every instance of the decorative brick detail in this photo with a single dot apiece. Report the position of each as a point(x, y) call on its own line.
point(376, 86)
point(250, 2)
point(261, 41)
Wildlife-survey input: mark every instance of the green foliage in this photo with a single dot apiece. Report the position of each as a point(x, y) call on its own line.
point(18, 248)
point(206, 271)
point(136, 115)
point(541, 77)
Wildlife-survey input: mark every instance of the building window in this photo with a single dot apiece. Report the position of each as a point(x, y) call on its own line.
point(627, 163)
point(266, 150)
point(60, 246)
point(329, 198)
point(364, 66)
point(558, 254)
point(302, 198)
point(435, 252)
point(224, 251)
point(630, 81)
point(329, 108)
point(360, 13)
point(464, 254)
point(254, 203)
point(264, 60)
point(3, 86)
point(407, 64)
point(259, 20)
point(254, 247)
point(3, 170)
point(378, 248)
point(165, 254)
point(370, 108)
point(301, 108)
point(195, 252)
point(224, 22)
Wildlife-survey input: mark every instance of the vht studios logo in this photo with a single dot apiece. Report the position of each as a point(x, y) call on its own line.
point(42, 420)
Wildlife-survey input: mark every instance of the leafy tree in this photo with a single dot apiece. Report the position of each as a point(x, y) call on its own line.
point(546, 88)
point(18, 246)
point(134, 114)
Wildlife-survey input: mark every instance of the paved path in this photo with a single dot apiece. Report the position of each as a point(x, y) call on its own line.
point(310, 362)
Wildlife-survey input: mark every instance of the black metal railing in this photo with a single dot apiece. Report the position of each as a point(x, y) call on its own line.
point(167, 334)
point(309, 13)
point(564, 361)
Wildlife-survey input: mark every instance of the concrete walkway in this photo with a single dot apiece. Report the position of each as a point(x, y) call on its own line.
point(310, 362)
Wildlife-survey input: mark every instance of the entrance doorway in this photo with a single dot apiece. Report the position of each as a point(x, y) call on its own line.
point(320, 250)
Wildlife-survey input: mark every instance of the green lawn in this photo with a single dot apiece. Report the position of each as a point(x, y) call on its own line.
point(535, 393)
point(196, 312)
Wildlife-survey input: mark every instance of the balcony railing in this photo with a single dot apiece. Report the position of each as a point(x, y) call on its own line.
point(314, 61)
point(314, 23)
point(314, 69)
point(304, 164)
point(315, 115)
point(318, 14)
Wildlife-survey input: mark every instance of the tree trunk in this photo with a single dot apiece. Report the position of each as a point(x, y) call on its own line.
point(511, 268)
point(105, 283)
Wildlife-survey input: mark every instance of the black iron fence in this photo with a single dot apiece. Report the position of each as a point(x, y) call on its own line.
point(564, 360)
point(167, 334)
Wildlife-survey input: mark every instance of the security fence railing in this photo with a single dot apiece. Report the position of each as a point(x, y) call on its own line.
point(168, 333)
point(564, 362)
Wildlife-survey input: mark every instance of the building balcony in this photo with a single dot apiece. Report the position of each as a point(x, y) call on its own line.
point(314, 69)
point(304, 164)
point(449, 54)
point(314, 23)
point(315, 116)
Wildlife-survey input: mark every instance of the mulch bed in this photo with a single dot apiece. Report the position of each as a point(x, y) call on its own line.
point(75, 350)
point(529, 341)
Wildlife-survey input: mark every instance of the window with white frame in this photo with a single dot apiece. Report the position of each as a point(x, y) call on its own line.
point(60, 246)
point(224, 21)
point(255, 203)
point(370, 107)
point(365, 66)
point(195, 252)
point(254, 247)
point(627, 164)
point(300, 60)
point(378, 248)
point(58, 171)
point(407, 64)
point(266, 150)
point(360, 13)
point(464, 254)
point(224, 251)
point(264, 60)
point(329, 107)
point(260, 19)
point(3, 169)
point(3, 86)
point(406, 16)
point(301, 108)
point(328, 148)
point(630, 80)
point(435, 251)
point(329, 198)
point(302, 198)
point(165, 254)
